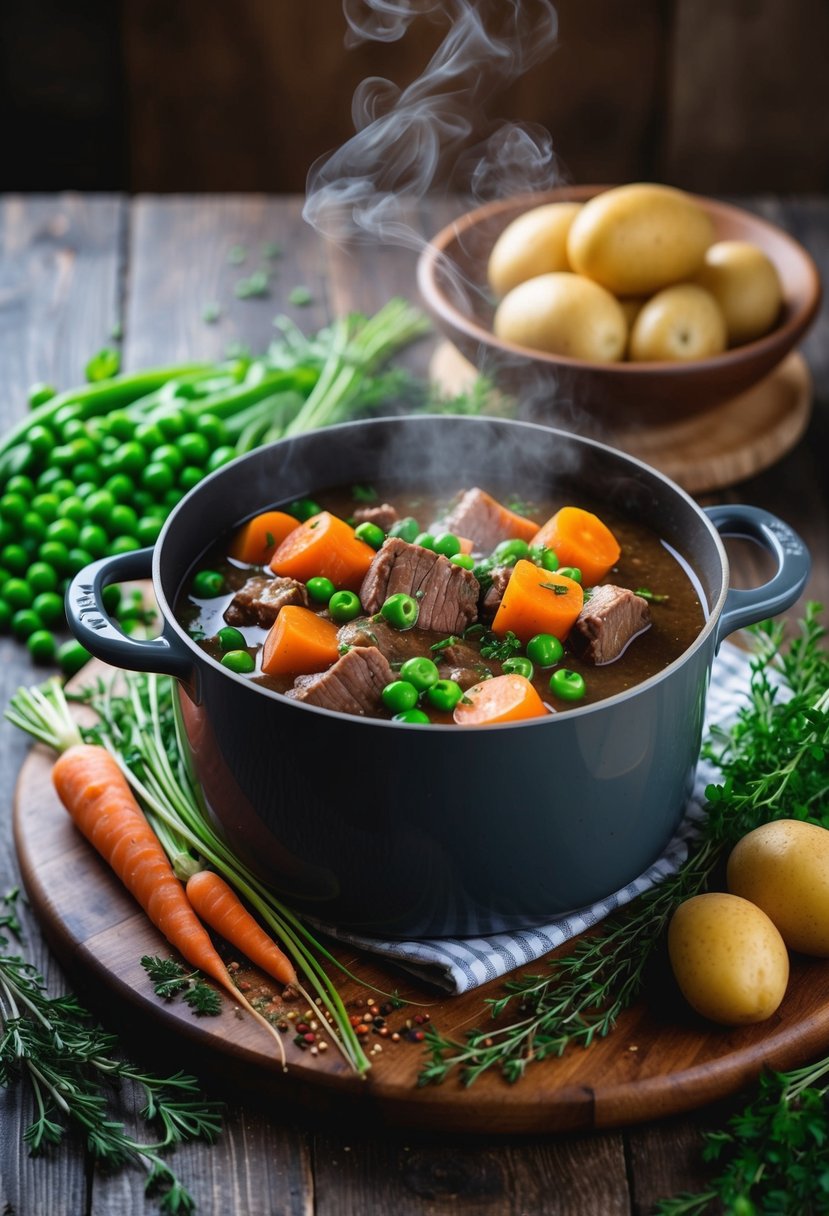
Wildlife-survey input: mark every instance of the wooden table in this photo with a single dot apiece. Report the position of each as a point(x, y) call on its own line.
point(71, 270)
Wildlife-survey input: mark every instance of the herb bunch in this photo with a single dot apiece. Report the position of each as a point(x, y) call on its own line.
point(72, 1067)
point(773, 765)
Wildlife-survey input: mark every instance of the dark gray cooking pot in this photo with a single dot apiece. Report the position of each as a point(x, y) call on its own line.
point(434, 830)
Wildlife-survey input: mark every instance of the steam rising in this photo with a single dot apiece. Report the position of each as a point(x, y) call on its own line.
point(434, 132)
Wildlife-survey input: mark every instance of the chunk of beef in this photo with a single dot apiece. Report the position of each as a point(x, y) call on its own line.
point(610, 618)
point(352, 685)
point(491, 599)
point(259, 600)
point(482, 519)
point(463, 664)
point(446, 594)
point(384, 516)
point(396, 644)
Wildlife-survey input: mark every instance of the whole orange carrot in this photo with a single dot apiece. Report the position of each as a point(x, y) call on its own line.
point(218, 905)
point(94, 791)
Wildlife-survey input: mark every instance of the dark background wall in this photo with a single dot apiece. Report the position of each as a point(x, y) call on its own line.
point(720, 96)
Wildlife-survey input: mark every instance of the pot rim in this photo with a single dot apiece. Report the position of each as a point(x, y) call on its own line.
point(712, 613)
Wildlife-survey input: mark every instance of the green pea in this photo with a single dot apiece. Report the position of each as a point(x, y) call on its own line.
point(425, 539)
point(62, 457)
point(399, 696)
point(147, 529)
point(72, 656)
point(370, 534)
point(123, 544)
point(421, 672)
point(49, 607)
point(193, 448)
point(55, 554)
point(78, 558)
point(568, 685)
point(46, 505)
point(444, 695)
point(220, 456)
point(510, 551)
point(572, 572)
point(41, 440)
point(207, 584)
point(544, 557)
point(230, 638)
point(42, 646)
point(149, 436)
point(122, 518)
point(64, 530)
point(48, 477)
point(320, 589)
point(172, 425)
point(99, 505)
point(158, 477)
point(129, 457)
point(344, 606)
point(13, 507)
point(168, 454)
point(303, 508)
point(33, 527)
point(40, 393)
point(64, 487)
point(22, 485)
point(5, 616)
point(83, 451)
point(66, 413)
point(213, 428)
point(407, 529)
point(465, 560)
point(86, 471)
point(401, 610)
point(120, 425)
point(120, 486)
point(72, 508)
point(14, 558)
point(189, 477)
point(416, 716)
point(447, 544)
point(518, 665)
point(239, 661)
point(545, 650)
point(41, 577)
point(171, 499)
point(93, 538)
point(111, 595)
point(25, 622)
point(17, 593)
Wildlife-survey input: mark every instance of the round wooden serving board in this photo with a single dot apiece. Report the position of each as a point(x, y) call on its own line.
point(660, 1060)
point(721, 447)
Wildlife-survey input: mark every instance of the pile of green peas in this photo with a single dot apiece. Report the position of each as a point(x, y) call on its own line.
point(90, 488)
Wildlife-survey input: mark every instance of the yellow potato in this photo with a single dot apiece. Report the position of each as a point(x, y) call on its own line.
point(783, 867)
point(678, 323)
point(746, 285)
point(637, 239)
point(563, 314)
point(730, 962)
point(534, 243)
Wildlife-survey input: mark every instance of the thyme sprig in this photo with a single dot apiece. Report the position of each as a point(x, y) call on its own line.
point(773, 765)
point(72, 1068)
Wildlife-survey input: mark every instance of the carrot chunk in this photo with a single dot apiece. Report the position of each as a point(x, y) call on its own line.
point(501, 699)
point(579, 538)
point(299, 643)
point(256, 541)
point(538, 601)
point(324, 545)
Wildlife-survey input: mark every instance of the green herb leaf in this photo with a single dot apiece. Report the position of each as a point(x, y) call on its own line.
point(651, 596)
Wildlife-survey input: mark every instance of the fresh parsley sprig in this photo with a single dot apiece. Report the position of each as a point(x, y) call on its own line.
point(69, 1062)
point(773, 765)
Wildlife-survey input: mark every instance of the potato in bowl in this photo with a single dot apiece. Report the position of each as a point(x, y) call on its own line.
point(455, 285)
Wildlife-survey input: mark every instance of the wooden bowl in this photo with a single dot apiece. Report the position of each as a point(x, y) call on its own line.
point(555, 388)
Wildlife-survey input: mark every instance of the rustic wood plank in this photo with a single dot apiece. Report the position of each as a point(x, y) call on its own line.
point(574, 1176)
point(749, 96)
point(61, 259)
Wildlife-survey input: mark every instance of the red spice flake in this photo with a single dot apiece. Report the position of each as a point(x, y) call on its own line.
point(243, 986)
point(416, 1036)
point(302, 1027)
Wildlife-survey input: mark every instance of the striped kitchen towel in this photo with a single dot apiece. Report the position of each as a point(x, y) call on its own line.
point(457, 965)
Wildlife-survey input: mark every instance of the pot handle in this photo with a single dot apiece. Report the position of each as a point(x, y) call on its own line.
point(783, 588)
point(94, 629)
